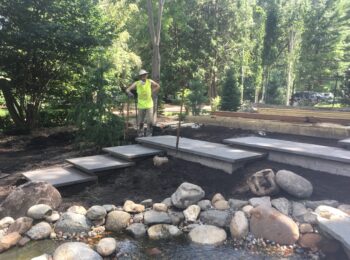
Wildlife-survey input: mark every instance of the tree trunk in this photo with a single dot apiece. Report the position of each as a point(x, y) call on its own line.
point(290, 72)
point(242, 78)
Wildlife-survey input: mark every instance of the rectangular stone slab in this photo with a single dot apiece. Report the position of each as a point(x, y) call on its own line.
point(311, 150)
point(345, 143)
point(202, 148)
point(98, 163)
point(130, 152)
point(59, 176)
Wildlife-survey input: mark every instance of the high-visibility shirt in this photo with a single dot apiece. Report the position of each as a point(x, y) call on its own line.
point(144, 94)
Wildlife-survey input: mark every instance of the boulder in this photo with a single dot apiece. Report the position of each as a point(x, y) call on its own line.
point(77, 209)
point(217, 197)
point(136, 230)
point(247, 209)
point(9, 241)
point(261, 201)
point(237, 204)
point(96, 213)
point(239, 225)
point(282, 205)
point(306, 228)
point(315, 241)
point(39, 211)
point(204, 204)
point(294, 184)
point(207, 235)
point(109, 207)
point(187, 194)
point(163, 231)
point(6, 222)
point(263, 183)
point(168, 202)
point(72, 223)
point(155, 217)
point(117, 220)
point(147, 203)
point(21, 225)
point(215, 217)
point(314, 204)
point(39, 231)
point(269, 223)
point(189, 227)
point(106, 246)
point(53, 217)
point(75, 251)
point(98, 222)
point(132, 207)
point(29, 194)
point(221, 205)
point(298, 209)
point(176, 217)
point(23, 241)
point(138, 218)
point(191, 213)
point(160, 207)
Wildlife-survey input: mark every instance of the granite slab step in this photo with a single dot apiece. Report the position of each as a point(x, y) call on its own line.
point(59, 176)
point(304, 149)
point(131, 152)
point(201, 148)
point(98, 163)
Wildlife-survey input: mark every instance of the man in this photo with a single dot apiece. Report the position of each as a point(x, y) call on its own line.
point(145, 89)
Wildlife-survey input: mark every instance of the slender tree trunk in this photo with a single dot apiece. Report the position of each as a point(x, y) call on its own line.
point(290, 72)
point(264, 84)
point(242, 78)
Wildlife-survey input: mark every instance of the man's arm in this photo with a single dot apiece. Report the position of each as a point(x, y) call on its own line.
point(131, 87)
point(155, 86)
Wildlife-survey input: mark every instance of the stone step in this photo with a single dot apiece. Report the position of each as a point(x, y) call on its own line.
point(59, 176)
point(98, 163)
point(213, 155)
point(131, 152)
point(345, 143)
point(317, 157)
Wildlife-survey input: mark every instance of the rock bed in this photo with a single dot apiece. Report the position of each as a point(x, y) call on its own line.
point(275, 227)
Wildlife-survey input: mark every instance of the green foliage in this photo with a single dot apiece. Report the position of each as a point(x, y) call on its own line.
point(53, 117)
point(215, 103)
point(230, 97)
point(195, 97)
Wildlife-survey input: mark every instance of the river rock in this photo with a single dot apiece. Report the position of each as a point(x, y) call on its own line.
point(138, 218)
point(96, 213)
point(215, 217)
point(204, 204)
point(21, 225)
point(77, 209)
point(168, 202)
point(176, 217)
point(191, 213)
point(39, 211)
point(247, 209)
point(207, 235)
point(72, 223)
point(314, 204)
point(262, 201)
point(306, 228)
point(311, 240)
point(106, 246)
point(9, 241)
point(221, 205)
point(282, 205)
point(29, 194)
point(160, 207)
point(154, 217)
point(269, 223)
point(23, 241)
point(163, 231)
point(117, 220)
point(187, 194)
point(136, 230)
point(6, 222)
point(109, 207)
point(53, 217)
point(345, 208)
point(75, 251)
point(335, 223)
point(217, 197)
point(239, 225)
point(39, 231)
point(189, 227)
point(42, 257)
point(298, 209)
point(263, 183)
point(132, 207)
point(237, 204)
point(147, 203)
point(294, 184)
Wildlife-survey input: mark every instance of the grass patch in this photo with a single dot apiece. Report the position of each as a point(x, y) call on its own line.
point(330, 105)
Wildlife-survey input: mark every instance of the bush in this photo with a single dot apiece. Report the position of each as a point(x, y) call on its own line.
point(195, 97)
point(215, 103)
point(53, 117)
point(230, 98)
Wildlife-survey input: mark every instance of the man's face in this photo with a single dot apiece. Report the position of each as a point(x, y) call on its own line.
point(143, 77)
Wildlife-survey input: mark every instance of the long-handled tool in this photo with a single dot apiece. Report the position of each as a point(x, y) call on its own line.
point(180, 117)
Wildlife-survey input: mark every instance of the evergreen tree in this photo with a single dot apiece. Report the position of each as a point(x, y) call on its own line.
point(230, 98)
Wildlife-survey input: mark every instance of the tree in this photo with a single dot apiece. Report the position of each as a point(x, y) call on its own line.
point(230, 98)
point(43, 43)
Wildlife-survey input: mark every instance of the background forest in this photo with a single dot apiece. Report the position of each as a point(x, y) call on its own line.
point(64, 61)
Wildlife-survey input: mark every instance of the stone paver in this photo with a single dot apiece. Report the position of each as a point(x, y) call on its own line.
point(304, 149)
point(98, 163)
point(201, 148)
point(130, 152)
point(59, 176)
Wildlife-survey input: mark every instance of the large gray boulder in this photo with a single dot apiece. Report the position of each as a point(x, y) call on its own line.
point(152, 217)
point(75, 251)
point(218, 218)
point(117, 220)
point(294, 184)
point(41, 230)
point(39, 211)
point(186, 195)
point(27, 195)
point(72, 223)
point(207, 235)
point(96, 213)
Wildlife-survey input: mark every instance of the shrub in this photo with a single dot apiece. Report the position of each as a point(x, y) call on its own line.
point(230, 98)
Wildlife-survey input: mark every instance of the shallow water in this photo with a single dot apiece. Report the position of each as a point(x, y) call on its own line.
point(178, 249)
